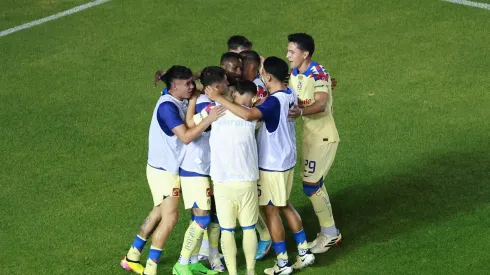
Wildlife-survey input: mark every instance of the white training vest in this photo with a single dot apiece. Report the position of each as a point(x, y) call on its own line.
point(234, 156)
point(277, 149)
point(166, 151)
point(197, 154)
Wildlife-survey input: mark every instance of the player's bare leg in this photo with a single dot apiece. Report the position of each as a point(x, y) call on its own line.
point(276, 229)
point(169, 212)
point(305, 257)
point(131, 261)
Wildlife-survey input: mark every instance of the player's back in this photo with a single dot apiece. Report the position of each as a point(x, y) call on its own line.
point(233, 150)
point(197, 156)
point(319, 127)
point(165, 149)
point(276, 138)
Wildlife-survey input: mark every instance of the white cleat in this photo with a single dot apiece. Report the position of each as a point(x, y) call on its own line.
point(276, 270)
point(323, 243)
point(304, 261)
point(216, 264)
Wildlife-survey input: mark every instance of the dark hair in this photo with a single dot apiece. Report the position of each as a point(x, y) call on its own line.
point(277, 68)
point(246, 86)
point(250, 57)
point(303, 41)
point(230, 56)
point(212, 74)
point(175, 72)
point(238, 41)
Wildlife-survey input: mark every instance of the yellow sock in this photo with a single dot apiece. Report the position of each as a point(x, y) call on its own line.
point(191, 239)
point(249, 247)
point(228, 245)
point(213, 236)
point(262, 228)
point(323, 208)
point(195, 253)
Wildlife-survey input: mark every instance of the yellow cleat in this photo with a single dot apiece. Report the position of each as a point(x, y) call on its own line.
point(129, 265)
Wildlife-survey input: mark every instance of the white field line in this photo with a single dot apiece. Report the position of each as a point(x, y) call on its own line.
point(53, 17)
point(470, 3)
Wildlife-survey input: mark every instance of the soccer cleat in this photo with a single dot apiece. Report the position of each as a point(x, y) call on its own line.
point(199, 268)
point(262, 249)
point(129, 265)
point(276, 270)
point(323, 243)
point(304, 261)
point(181, 269)
point(216, 264)
point(204, 255)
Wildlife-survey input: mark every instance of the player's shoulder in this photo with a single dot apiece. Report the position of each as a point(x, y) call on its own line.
point(318, 72)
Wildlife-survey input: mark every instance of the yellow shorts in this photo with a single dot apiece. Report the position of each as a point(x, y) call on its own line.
point(162, 184)
point(196, 192)
point(318, 160)
point(236, 200)
point(275, 187)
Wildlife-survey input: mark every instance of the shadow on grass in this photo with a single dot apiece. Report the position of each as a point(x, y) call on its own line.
point(432, 191)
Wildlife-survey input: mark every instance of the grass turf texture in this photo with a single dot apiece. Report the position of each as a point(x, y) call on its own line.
point(410, 183)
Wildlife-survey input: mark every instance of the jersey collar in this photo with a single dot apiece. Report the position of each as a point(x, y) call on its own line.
point(295, 71)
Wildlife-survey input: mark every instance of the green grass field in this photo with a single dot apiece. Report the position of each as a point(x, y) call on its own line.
point(410, 186)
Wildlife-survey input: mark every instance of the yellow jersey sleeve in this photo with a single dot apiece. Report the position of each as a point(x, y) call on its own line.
point(317, 128)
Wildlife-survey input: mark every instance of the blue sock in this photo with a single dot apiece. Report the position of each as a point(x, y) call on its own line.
point(139, 243)
point(300, 238)
point(154, 254)
point(282, 254)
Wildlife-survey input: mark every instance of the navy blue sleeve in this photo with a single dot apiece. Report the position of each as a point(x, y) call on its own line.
point(168, 117)
point(271, 112)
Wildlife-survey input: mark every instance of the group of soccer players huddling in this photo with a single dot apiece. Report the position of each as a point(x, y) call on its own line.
point(225, 139)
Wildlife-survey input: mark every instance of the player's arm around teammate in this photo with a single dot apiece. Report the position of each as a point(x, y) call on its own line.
point(168, 134)
point(313, 86)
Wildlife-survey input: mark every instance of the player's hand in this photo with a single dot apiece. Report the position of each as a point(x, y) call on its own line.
point(158, 75)
point(212, 93)
point(295, 112)
point(195, 95)
point(216, 113)
point(334, 83)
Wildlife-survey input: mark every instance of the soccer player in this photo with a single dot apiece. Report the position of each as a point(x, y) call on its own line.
point(234, 170)
point(276, 143)
point(239, 43)
point(250, 71)
point(232, 63)
point(167, 138)
point(312, 84)
point(195, 181)
point(251, 67)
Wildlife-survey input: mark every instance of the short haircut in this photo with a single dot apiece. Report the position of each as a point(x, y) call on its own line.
point(239, 41)
point(246, 86)
point(231, 57)
point(211, 75)
point(174, 73)
point(303, 41)
point(250, 57)
point(277, 68)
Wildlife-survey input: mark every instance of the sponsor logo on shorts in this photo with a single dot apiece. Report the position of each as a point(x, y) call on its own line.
point(175, 192)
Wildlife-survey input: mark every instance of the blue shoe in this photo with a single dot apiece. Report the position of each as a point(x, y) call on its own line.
point(262, 249)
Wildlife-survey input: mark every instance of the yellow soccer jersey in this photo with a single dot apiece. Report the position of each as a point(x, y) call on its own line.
point(319, 127)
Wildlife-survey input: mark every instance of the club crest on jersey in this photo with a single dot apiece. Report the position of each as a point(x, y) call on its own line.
point(208, 192)
point(175, 192)
point(300, 85)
